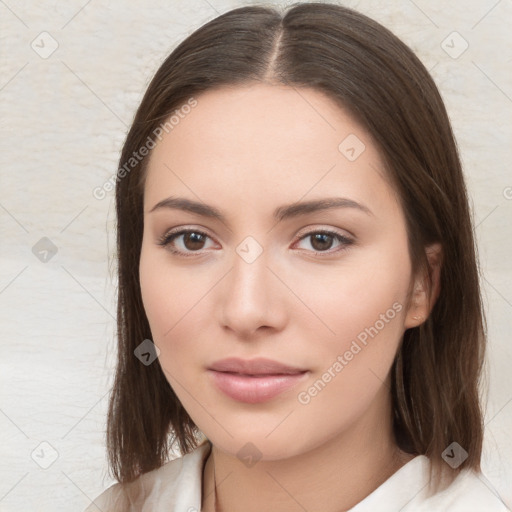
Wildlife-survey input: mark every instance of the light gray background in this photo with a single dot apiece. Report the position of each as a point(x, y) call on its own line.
point(63, 119)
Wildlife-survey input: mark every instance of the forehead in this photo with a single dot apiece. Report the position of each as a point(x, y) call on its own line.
point(249, 119)
point(275, 141)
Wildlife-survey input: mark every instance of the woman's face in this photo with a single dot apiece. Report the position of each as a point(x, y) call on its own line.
point(263, 281)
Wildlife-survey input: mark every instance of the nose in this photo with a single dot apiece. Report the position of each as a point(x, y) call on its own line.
point(252, 298)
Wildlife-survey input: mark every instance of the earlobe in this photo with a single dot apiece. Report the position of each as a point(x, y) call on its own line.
point(424, 297)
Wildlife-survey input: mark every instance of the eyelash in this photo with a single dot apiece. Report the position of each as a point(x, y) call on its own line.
point(169, 237)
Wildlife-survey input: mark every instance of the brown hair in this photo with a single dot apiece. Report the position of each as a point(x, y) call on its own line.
point(368, 71)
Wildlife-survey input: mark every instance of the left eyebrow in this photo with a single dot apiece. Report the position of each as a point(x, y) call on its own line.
point(281, 213)
point(305, 207)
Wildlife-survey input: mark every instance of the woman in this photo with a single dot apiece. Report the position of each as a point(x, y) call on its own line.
point(299, 306)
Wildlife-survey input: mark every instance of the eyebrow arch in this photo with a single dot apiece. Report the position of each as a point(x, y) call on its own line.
point(281, 213)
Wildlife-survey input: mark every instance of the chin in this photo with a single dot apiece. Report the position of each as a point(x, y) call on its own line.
point(257, 445)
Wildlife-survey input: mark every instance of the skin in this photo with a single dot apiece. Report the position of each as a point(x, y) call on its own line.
point(247, 150)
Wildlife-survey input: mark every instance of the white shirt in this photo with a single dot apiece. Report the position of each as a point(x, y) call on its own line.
point(177, 486)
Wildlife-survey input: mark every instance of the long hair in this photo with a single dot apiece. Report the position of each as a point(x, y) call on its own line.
point(369, 72)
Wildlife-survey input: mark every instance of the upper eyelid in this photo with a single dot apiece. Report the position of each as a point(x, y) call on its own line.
point(303, 233)
point(184, 230)
point(338, 231)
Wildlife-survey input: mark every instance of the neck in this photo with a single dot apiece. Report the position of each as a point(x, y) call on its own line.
point(332, 477)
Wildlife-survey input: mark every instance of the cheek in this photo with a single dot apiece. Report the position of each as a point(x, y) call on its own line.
point(354, 295)
point(175, 305)
point(164, 294)
point(366, 312)
point(362, 308)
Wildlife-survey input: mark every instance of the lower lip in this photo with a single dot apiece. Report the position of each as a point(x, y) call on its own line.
point(253, 390)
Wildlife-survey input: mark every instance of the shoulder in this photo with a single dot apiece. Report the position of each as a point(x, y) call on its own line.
point(470, 491)
point(408, 491)
point(177, 481)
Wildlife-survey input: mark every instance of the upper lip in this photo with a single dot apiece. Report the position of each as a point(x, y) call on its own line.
point(259, 366)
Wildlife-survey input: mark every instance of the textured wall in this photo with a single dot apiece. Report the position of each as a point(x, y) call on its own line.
point(71, 75)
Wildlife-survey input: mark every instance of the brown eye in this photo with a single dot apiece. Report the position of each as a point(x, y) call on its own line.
point(322, 241)
point(184, 242)
point(193, 240)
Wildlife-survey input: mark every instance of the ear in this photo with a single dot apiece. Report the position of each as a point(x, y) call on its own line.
point(423, 298)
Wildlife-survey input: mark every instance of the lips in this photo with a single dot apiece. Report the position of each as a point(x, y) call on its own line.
point(256, 380)
point(259, 366)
